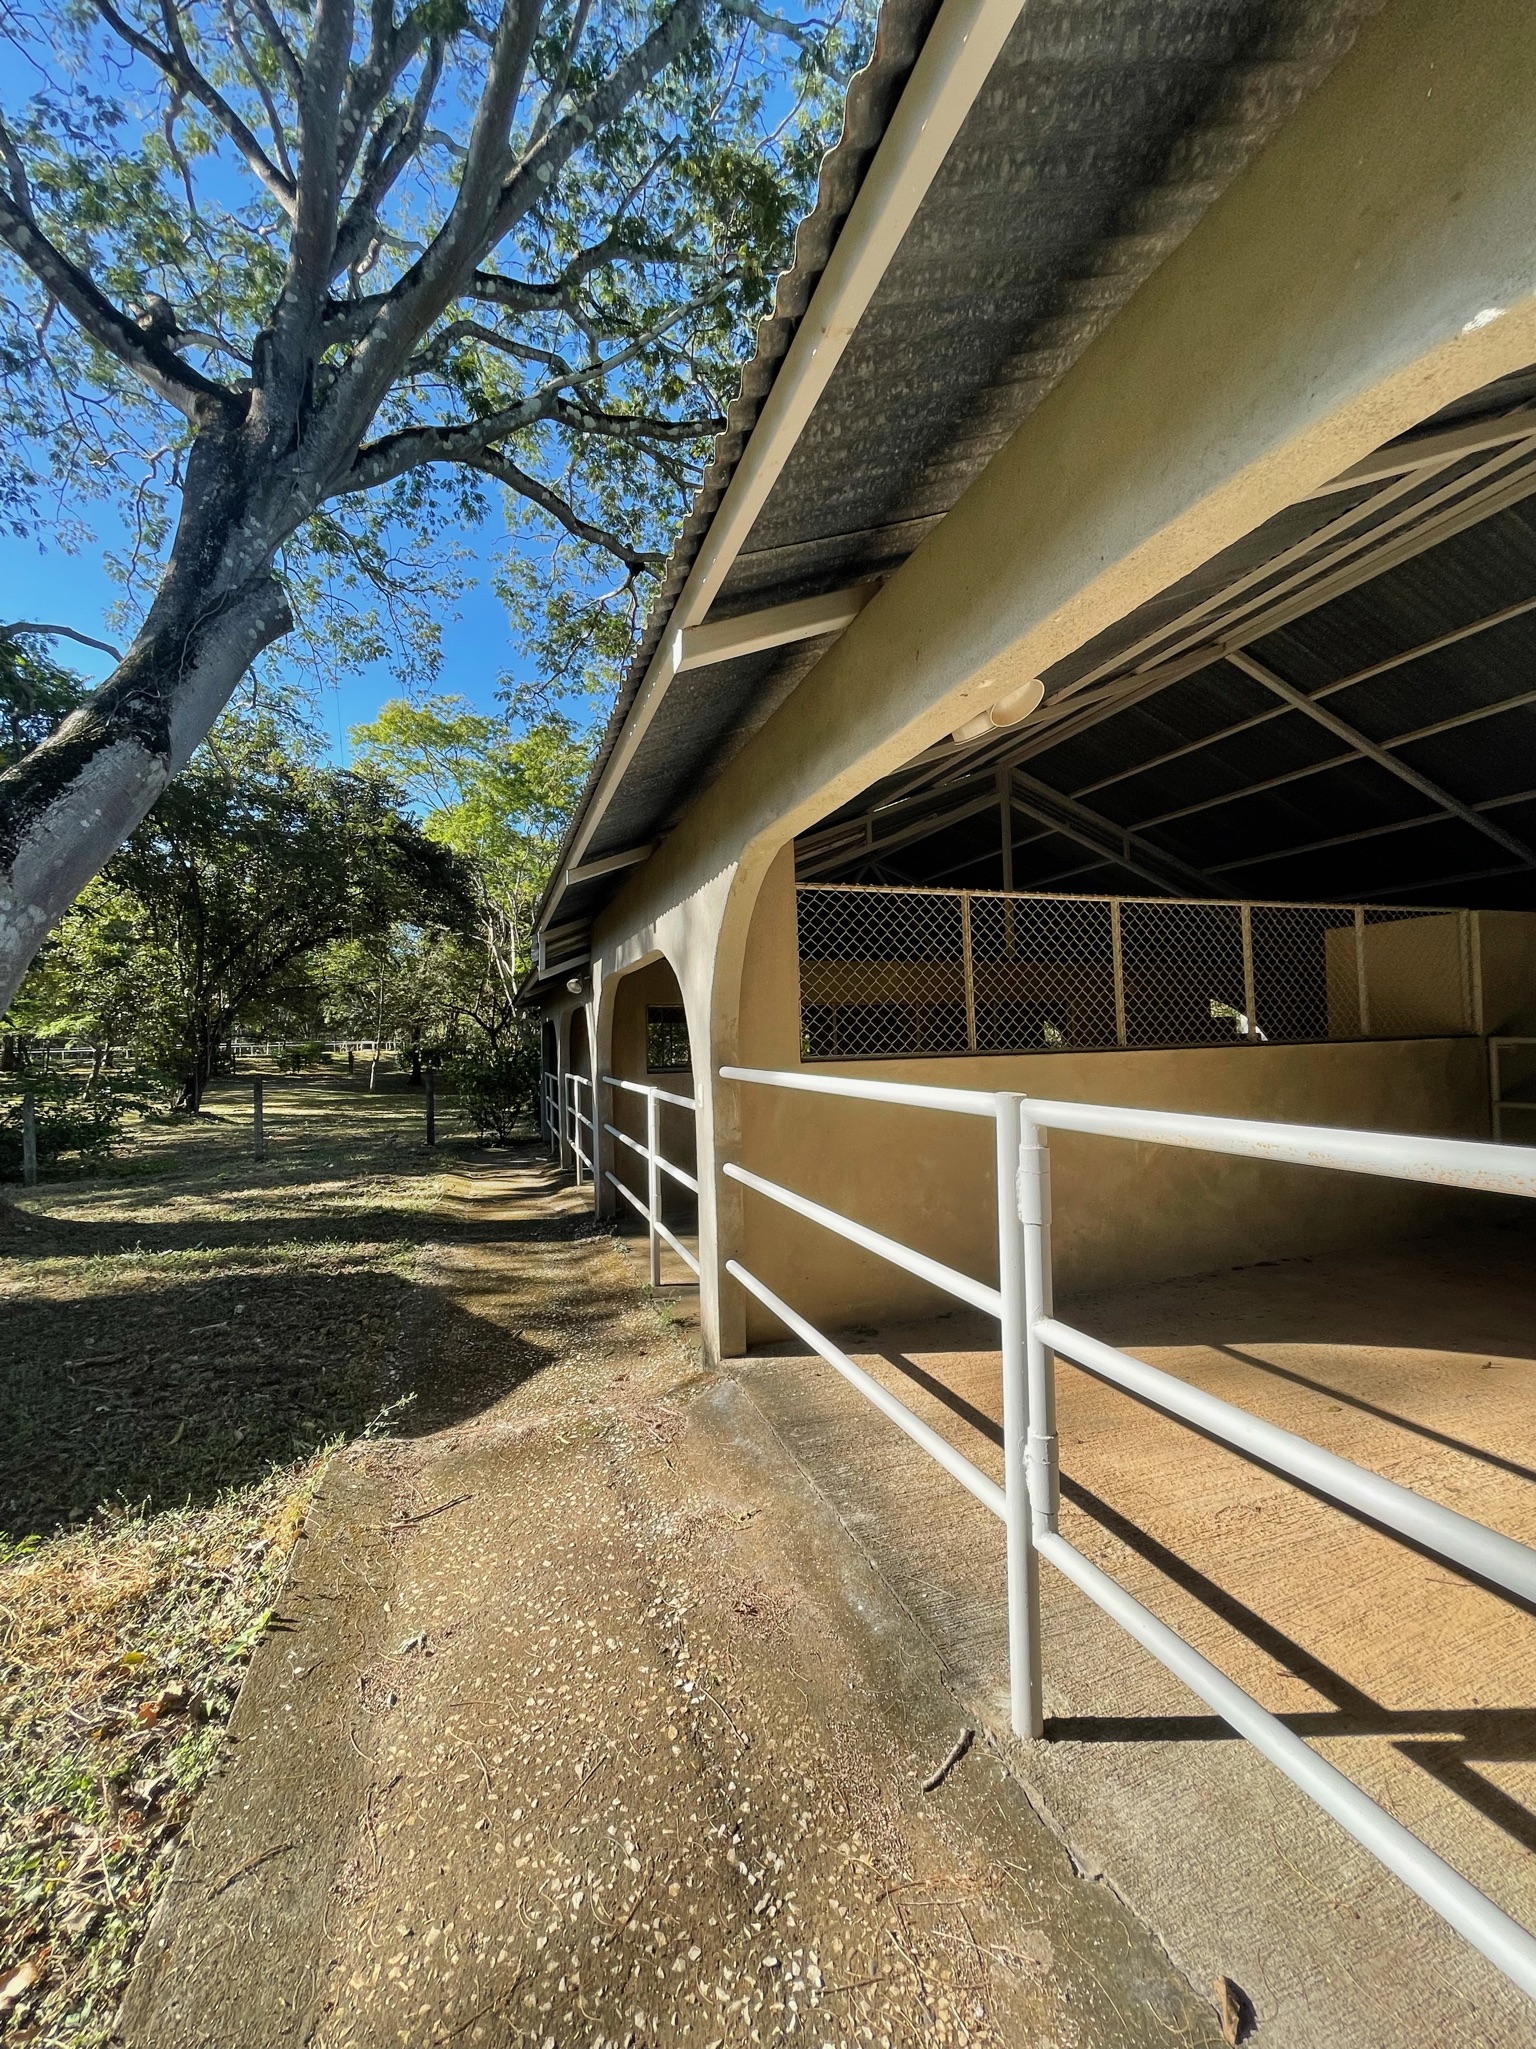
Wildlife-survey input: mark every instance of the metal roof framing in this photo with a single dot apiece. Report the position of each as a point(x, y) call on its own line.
point(1415, 496)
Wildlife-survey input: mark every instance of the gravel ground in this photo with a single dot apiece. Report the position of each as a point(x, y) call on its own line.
point(583, 1722)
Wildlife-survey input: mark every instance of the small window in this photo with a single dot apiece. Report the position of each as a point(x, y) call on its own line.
point(666, 1040)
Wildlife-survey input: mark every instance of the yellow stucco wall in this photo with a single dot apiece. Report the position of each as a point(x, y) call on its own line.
point(1123, 1213)
point(652, 984)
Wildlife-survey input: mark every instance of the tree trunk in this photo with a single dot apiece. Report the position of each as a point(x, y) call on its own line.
point(97, 1055)
point(68, 807)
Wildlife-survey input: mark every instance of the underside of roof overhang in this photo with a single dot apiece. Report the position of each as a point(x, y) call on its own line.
point(1339, 707)
point(1098, 139)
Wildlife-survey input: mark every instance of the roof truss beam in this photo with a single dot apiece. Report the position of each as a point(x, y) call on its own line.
point(1368, 750)
point(1101, 836)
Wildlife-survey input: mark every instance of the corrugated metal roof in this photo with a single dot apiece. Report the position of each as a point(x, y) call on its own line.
point(1105, 131)
point(1345, 829)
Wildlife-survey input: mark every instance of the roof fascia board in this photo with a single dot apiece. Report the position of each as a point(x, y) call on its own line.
point(750, 633)
point(952, 67)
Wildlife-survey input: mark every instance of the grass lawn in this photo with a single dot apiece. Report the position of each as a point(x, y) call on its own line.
point(184, 1336)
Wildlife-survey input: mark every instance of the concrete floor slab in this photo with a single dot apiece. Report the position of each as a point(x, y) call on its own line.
point(1418, 1362)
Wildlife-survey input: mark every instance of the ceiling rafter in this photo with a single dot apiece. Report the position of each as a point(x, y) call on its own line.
point(1296, 775)
point(1373, 832)
point(1101, 836)
point(1369, 750)
point(1353, 558)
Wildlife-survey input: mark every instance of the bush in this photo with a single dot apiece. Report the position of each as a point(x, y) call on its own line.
point(294, 1059)
point(498, 1091)
point(83, 1122)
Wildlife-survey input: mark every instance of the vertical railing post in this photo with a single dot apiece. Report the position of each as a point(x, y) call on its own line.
point(576, 1147)
point(430, 1079)
point(653, 1179)
point(1018, 1256)
point(970, 970)
point(1250, 1006)
point(1118, 958)
point(258, 1119)
point(1495, 1093)
point(29, 1140)
point(1362, 992)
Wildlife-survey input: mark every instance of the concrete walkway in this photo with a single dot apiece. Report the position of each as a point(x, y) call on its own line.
point(1419, 1363)
point(584, 1721)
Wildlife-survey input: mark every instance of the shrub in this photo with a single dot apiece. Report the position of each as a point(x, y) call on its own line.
point(497, 1091)
point(83, 1122)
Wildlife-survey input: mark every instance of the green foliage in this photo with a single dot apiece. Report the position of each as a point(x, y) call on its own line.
point(499, 792)
point(254, 860)
point(497, 1089)
point(35, 694)
point(651, 255)
point(75, 1124)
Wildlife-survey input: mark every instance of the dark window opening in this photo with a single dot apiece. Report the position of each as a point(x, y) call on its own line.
point(666, 1040)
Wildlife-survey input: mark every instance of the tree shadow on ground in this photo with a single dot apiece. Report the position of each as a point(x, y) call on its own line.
point(171, 1394)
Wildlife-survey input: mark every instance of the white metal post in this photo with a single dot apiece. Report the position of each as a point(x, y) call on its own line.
point(653, 1179)
point(1018, 1250)
point(970, 970)
point(1251, 1030)
point(1361, 986)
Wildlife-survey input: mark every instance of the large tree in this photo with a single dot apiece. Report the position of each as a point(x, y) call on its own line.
point(248, 867)
point(299, 283)
point(501, 798)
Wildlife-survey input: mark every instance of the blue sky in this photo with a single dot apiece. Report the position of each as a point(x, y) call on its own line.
point(40, 581)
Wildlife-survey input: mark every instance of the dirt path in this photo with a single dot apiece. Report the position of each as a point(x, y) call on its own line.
point(582, 1721)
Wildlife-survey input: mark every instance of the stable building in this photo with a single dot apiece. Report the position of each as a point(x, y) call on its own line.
point(1095, 693)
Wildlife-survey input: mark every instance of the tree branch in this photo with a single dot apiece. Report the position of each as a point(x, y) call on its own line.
point(390, 50)
point(283, 378)
point(479, 219)
point(774, 24)
point(632, 426)
point(178, 67)
point(541, 164)
point(142, 349)
point(21, 627)
point(435, 354)
point(280, 46)
point(562, 75)
point(252, 71)
point(635, 560)
point(393, 146)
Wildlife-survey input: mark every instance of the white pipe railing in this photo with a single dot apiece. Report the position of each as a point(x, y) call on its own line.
point(656, 1164)
point(578, 1120)
point(1032, 1335)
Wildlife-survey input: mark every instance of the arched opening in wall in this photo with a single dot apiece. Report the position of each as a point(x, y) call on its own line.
point(579, 1098)
point(650, 1104)
point(578, 1049)
point(549, 1064)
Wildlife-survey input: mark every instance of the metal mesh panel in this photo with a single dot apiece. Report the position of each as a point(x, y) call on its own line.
point(892, 972)
point(1042, 972)
point(881, 972)
point(1183, 972)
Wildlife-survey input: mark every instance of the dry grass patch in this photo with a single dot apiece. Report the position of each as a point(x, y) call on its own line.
point(184, 1338)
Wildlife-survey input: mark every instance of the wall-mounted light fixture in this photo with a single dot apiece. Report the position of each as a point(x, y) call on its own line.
point(1007, 711)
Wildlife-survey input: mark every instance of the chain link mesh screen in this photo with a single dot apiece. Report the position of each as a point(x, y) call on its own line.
point(891, 972)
